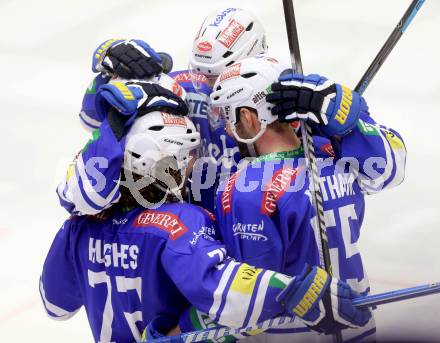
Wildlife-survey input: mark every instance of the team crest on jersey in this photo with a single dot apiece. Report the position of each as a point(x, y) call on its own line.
point(165, 221)
point(171, 119)
point(276, 187)
point(227, 194)
point(231, 72)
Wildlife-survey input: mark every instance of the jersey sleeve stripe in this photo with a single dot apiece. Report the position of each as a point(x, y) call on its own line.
point(54, 311)
point(373, 185)
point(259, 300)
point(94, 196)
point(218, 293)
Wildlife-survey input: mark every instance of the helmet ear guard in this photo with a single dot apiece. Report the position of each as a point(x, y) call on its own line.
point(246, 84)
point(156, 143)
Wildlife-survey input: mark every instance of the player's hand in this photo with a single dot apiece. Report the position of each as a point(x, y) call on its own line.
point(130, 59)
point(122, 102)
point(304, 297)
point(333, 107)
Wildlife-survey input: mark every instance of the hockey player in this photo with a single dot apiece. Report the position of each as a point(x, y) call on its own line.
point(264, 210)
point(225, 37)
point(131, 264)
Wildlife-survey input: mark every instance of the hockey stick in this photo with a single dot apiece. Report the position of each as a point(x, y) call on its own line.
point(364, 301)
point(309, 149)
point(389, 45)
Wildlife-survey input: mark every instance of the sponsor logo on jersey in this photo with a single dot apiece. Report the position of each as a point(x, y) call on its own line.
point(251, 232)
point(245, 280)
point(173, 120)
point(367, 128)
point(395, 142)
point(345, 106)
point(188, 77)
point(229, 36)
point(204, 46)
point(205, 232)
point(165, 221)
point(327, 149)
point(276, 187)
point(121, 221)
point(219, 18)
point(226, 198)
point(231, 72)
point(234, 93)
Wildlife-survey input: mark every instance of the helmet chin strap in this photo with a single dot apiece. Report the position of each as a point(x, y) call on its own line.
point(250, 142)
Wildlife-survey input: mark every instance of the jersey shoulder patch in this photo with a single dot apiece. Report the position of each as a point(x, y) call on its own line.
point(187, 81)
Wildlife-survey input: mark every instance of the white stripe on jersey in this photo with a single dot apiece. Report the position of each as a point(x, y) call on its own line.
point(259, 300)
point(61, 314)
point(371, 185)
point(218, 293)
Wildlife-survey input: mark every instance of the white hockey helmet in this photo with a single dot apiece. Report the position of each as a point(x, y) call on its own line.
point(225, 37)
point(246, 84)
point(158, 136)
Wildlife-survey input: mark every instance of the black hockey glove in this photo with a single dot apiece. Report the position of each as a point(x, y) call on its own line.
point(123, 102)
point(132, 59)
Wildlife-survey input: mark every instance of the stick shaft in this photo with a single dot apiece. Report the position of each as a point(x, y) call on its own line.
point(363, 301)
point(389, 45)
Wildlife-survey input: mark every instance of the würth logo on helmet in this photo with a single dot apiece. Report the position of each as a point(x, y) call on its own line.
point(232, 71)
point(277, 186)
point(227, 193)
point(230, 35)
point(204, 46)
point(170, 119)
point(165, 221)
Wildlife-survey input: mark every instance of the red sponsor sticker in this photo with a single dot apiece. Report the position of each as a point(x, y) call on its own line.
point(204, 46)
point(187, 77)
point(230, 35)
point(177, 89)
point(227, 194)
point(171, 119)
point(328, 149)
point(165, 221)
point(230, 72)
point(276, 187)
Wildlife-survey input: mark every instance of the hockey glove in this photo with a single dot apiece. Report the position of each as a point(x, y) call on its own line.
point(130, 59)
point(304, 297)
point(331, 106)
point(132, 99)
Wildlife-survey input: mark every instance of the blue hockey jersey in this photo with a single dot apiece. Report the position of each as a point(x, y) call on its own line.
point(220, 152)
point(128, 267)
point(265, 212)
